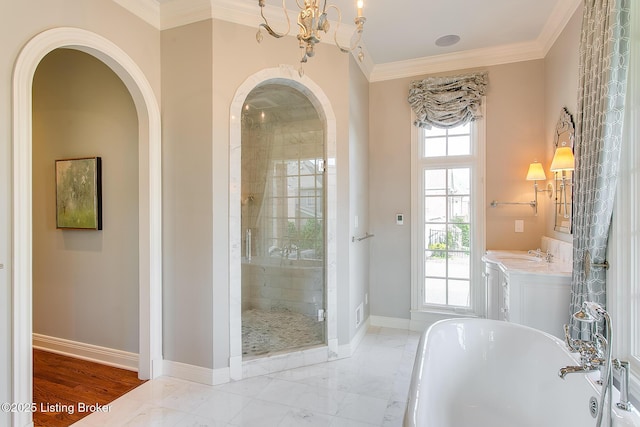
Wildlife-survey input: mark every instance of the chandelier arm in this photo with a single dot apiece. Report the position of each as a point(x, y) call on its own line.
point(324, 7)
point(359, 24)
point(305, 28)
point(266, 25)
point(311, 23)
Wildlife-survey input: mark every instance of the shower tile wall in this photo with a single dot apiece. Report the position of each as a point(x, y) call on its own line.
point(282, 288)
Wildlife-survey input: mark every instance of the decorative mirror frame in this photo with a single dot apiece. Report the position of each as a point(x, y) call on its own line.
point(563, 213)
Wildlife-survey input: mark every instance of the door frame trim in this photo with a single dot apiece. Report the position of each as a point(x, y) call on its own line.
point(150, 201)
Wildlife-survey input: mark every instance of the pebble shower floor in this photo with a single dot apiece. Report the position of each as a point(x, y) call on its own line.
point(265, 332)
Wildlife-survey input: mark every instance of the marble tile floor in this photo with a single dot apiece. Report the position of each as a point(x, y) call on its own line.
point(368, 389)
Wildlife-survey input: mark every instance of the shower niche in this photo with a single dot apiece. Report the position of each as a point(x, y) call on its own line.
point(282, 222)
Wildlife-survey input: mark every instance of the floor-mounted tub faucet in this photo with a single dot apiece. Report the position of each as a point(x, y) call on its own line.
point(623, 368)
point(594, 353)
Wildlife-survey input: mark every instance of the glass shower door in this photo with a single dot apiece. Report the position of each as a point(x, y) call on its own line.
point(283, 283)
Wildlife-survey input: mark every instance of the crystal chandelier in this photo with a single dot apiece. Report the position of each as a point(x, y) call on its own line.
point(312, 20)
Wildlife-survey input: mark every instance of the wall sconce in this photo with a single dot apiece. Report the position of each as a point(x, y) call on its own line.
point(563, 161)
point(535, 174)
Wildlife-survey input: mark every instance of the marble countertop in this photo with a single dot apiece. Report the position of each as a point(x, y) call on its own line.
point(521, 261)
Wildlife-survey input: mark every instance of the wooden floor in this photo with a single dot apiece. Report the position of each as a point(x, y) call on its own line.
point(64, 386)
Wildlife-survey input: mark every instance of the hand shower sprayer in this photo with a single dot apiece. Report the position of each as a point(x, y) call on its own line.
point(592, 312)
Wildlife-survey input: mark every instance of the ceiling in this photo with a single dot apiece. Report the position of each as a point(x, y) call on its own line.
point(401, 30)
point(401, 34)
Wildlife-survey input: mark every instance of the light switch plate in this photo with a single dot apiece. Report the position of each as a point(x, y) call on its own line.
point(399, 219)
point(519, 226)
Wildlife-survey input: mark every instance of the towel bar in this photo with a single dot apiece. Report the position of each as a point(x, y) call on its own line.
point(359, 239)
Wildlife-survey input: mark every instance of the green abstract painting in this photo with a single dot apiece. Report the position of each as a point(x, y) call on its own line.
point(79, 193)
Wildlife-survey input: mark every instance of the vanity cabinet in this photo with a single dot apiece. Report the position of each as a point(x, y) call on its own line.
point(532, 295)
point(540, 301)
point(495, 295)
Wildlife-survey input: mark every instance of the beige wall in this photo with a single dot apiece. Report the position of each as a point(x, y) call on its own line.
point(390, 193)
point(561, 90)
point(358, 196)
point(85, 283)
point(187, 194)
point(514, 138)
point(20, 21)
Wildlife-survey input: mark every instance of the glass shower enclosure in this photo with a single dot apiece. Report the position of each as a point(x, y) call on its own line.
point(283, 265)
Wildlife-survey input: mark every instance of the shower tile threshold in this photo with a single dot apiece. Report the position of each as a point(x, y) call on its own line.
point(285, 360)
point(367, 389)
point(253, 357)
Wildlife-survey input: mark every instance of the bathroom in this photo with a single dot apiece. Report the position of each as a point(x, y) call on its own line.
point(369, 180)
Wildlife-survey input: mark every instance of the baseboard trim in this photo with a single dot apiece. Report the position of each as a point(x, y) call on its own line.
point(390, 322)
point(92, 353)
point(419, 322)
point(348, 350)
point(194, 373)
point(357, 339)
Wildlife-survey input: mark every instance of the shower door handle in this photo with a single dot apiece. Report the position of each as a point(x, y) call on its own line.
point(248, 244)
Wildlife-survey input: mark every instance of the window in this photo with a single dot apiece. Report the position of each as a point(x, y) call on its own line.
point(295, 213)
point(623, 278)
point(447, 247)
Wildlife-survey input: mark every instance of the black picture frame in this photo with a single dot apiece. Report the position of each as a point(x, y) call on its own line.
point(79, 193)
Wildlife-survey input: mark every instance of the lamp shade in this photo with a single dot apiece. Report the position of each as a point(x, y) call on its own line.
point(536, 172)
point(563, 160)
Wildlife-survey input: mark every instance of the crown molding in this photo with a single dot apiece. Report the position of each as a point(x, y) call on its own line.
point(457, 61)
point(366, 63)
point(174, 13)
point(147, 10)
point(242, 13)
point(245, 14)
point(537, 49)
point(559, 19)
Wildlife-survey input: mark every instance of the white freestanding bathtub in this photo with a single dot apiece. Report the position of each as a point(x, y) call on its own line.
point(488, 373)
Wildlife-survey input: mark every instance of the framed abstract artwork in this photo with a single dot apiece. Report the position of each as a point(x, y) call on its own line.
point(79, 193)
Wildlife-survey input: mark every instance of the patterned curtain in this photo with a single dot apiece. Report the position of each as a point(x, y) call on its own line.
point(447, 102)
point(604, 56)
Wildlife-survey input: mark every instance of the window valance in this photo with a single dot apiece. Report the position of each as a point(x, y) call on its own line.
point(446, 102)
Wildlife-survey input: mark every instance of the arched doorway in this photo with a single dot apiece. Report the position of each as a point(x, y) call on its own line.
point(283, 222)
point(150, 206)
point(287, 76)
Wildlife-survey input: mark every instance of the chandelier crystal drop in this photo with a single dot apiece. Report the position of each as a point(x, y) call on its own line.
point(312, 22)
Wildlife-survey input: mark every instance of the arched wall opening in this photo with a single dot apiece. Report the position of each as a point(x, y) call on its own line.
point(150, 201)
